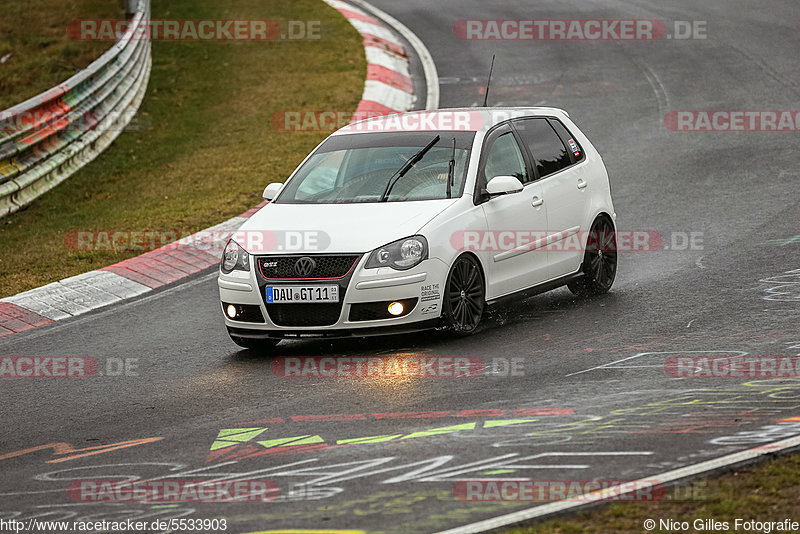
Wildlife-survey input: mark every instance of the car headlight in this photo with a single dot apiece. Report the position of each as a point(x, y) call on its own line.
point(401, 254)
point(234, 258)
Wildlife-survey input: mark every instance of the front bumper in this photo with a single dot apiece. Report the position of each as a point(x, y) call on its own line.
point(422, 285)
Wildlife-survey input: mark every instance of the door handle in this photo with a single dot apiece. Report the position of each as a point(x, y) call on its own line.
point(582, 184)
point(536, 202)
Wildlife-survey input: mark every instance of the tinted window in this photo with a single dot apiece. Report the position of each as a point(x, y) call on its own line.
point(505, 159)
point(571, 142)
point(544, 144)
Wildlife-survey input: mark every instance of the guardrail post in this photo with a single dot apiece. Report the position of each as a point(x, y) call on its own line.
point(130, 10)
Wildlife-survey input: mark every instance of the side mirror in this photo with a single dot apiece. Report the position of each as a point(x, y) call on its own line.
point(271, 191)
point(503, 185)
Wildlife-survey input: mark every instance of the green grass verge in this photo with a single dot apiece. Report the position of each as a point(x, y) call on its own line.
point(209, 150)
point(767, 491)
point(37, 50)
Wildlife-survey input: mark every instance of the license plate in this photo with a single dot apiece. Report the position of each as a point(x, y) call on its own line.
point(299, 294)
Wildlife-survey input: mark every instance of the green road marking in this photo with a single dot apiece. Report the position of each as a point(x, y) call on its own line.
point(441, 430)
point(285, 442)
point(235, 435)
point(506, 422)
point(369, 439)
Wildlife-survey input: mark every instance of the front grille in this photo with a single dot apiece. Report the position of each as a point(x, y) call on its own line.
point(327, 266)
point(306, 314)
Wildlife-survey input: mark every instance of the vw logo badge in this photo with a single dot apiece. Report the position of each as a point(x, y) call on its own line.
point(304, 266)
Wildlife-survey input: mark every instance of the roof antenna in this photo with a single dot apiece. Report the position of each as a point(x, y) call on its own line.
point(486, 95)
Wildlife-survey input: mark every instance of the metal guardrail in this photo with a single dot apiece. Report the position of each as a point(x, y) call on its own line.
point(45, 139)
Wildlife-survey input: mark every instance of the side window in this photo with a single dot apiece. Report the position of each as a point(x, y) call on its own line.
point(571, 142)
point(547, 150)
point(505, 159)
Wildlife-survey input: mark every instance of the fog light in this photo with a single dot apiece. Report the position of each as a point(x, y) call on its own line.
point(231, 311)
point(395, 308)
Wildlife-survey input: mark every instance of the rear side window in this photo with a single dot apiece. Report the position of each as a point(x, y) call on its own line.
point(571, 142)
point(549, 153)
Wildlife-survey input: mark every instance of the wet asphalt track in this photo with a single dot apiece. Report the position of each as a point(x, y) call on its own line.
point(621, 421)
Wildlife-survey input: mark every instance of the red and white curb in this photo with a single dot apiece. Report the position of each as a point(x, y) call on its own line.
point(124, 280)
point(387, 89)
point(420, 50)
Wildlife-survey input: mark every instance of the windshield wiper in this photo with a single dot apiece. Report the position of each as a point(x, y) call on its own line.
point(451, 170)
point(406, 167)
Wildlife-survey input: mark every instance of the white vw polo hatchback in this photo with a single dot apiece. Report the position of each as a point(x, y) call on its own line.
point(421, 220)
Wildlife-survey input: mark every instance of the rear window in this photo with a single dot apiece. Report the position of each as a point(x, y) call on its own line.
point(548, 151)
point(571, 142)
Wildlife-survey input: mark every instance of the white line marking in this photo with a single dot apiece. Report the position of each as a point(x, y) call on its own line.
point(664, 478)
point(606, 364)
point(428, 65)
point(609, 365)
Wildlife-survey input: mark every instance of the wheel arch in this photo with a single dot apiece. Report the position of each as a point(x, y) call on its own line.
point(605, 215)
point(481, 267)
point(600, 214)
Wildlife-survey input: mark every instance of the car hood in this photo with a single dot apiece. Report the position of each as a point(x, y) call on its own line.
point(358, 227)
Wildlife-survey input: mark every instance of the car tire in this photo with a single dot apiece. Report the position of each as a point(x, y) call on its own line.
point(599, 265)
point(255, 344)
point(464, 296)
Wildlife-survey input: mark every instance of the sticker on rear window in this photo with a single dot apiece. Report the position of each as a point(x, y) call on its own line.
point(574, 146)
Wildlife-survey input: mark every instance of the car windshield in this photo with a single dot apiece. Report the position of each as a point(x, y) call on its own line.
point(358, 167)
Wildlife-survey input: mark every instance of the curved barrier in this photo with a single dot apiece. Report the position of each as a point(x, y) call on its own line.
point(50, 136)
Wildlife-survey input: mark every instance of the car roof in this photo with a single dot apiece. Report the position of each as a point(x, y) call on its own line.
point(454, 119)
